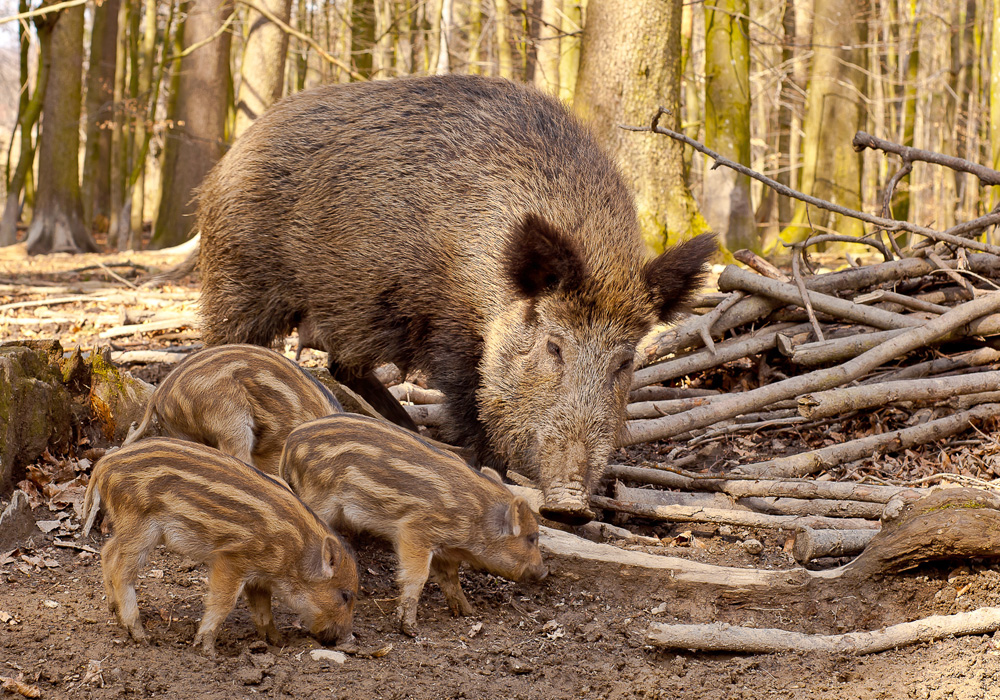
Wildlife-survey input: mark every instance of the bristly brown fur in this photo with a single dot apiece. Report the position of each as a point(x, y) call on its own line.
point(371, 476)
point(241, 399)
point(254, 533)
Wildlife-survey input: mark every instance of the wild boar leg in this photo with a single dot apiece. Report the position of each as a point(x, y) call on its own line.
point(259, 599)
point(445, 572)
point(375, 393)
point(414, 568)
point(237, 440)
point(223, 590)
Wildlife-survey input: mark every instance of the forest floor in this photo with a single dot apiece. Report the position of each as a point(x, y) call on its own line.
point(581, 633)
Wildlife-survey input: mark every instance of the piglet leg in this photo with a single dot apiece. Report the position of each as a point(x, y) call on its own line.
point(414, 568)
point(223, 590)
point(259, 599)
point(446, 574)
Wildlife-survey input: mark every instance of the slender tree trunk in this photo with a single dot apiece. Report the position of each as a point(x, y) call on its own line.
point(382, 57)
point(727, 205)
point(363, 35)
point(100, 115)
point(547, 64)
point(117, 228)
point(571, 23)
point(57, 224)
point(791, 94)
point(475, 36)
point(630, 64)
point(995, 96)
point(505, 56)
point(28, 113)
point(263, 69)
point(405, 60)
point(196, 139)
point(831, 169)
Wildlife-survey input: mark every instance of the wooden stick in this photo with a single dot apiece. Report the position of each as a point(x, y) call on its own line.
point(975, 358)
point(51, 302)
point(734, 277)
point(431, 414)
point(832, 350)
point(806, 463)
point(148, 357)
point(407, 391)
point(760, 265)
point(733, 405)
point(722, 637)
point(813, 544)
point(768, 505)
point(902, 299)
point(696, 514)
point(668, 393)
point(743, 488)
point(727, 351)
point(987, 176)
point(165, 325)
point(834, 401)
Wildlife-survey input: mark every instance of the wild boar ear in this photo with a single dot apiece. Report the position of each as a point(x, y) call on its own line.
point(674, 276)
point(539, 258)
point(504, 519)
point(492, 474)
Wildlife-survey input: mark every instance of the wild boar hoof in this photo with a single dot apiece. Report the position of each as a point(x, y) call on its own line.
point(407, 626)
point(568, 512)
point(138, 635)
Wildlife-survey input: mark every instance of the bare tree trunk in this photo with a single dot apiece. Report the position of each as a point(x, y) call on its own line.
point(263, 69)
point(28, 113)
point(834, 112)
point(57, 224)
point(100, 115)
point(571, 23)
point(446, 28)
point(629, 65)
point(363, 35)
point(475, 36)
point(505, 56)
point(791, 94)
point(547, 65)
point(119, 135)
point(196, 139)
point(727, 207)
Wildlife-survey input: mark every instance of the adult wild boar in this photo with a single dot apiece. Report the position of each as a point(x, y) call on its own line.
point(467, 226)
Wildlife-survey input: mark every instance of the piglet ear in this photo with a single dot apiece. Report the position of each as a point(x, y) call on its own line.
point(539, 258)
point(504, 521)
point(678, 273)
point(323, 560)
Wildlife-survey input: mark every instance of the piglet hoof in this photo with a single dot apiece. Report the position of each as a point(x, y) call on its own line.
point(207, 646)
point(461, 607)
point(138, 635)
point(408, 628)
point(275, 638)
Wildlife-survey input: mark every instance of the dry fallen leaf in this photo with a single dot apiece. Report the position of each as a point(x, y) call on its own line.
point(17, 686)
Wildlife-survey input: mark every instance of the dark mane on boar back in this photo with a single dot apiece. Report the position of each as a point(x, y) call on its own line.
point(467, 226)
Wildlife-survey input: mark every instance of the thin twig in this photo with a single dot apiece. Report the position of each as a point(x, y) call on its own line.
point(952, 235)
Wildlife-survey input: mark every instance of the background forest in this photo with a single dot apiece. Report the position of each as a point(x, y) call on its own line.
point(114, 111)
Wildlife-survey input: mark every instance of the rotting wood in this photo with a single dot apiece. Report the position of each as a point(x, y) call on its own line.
point(835, 401)
point(719, 636)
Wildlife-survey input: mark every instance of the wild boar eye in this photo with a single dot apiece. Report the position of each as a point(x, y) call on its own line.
point(554, 350)
point(625, 365)
point(533, 539)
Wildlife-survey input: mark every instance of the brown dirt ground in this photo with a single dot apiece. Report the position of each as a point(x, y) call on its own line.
point(578, 634)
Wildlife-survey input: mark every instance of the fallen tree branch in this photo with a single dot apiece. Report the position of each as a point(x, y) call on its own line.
point(834, 401)
point(735, 404)
point(814, 544)
point(735, 277)
point(695, 514)
point(806, 463)
point(742, 488)
point(799, 507)
point(719, 636)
